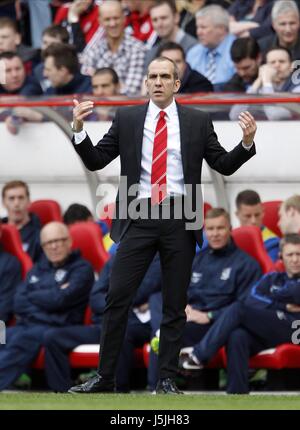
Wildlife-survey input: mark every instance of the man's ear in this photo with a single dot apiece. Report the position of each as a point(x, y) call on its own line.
point(18, 39)
point(177, 86)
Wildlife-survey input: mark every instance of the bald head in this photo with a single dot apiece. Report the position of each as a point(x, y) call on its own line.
point(110, 5)
point(112, 19)
point(56, 242)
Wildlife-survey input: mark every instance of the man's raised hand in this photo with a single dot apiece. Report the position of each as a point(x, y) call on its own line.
point(80, 112)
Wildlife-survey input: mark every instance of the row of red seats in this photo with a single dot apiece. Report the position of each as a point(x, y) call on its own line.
point(87, 237)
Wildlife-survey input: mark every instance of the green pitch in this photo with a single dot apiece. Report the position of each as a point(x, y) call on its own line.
point(46, 401)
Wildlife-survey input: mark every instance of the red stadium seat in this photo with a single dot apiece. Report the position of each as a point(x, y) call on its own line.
point(88, 238)
point(207, 207)
point(11, 242)
point(285, 356)
point(86, 356)
point(249, 239)
point(107, 214)
point(46, 210)
point(271, 216)
point(279, 266)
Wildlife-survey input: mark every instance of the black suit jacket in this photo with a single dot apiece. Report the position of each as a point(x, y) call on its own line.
point(125, 137)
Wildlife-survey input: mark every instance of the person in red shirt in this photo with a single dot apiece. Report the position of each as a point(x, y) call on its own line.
point(81, 17)
point(138, 19)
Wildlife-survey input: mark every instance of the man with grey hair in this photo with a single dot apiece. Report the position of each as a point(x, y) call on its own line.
point(211, 56)
point(286, 23)
point(54, 294)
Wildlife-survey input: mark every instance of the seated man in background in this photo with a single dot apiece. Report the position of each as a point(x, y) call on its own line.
point(286, 25)
point(77, 213)
point(81, 213)
point(61, 67)
point(221, 275)
point(289, 215)
point(116, 49)
point(16, 81)
point(165, 20)
point(246, 57)
point(16, 200)
point(250, 211)
point(60, 341)
point(10, 277)
point(52, 34)
point(211, 56)
point(263, 321)
point(191, 81)
point(275, 76)
point(105, 83)
point(11, 41)
point(54, 294)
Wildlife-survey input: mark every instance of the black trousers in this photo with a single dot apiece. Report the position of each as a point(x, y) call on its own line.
point(142, 240)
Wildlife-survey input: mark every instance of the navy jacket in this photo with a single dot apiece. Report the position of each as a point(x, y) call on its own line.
point(79, 84)
point(194, 82)
point(275, 291)
point(10, 277)
point(221, 277)
point(30, 236)
point(30, 87)
point(241, 8)
point(150, 284)
point(40, 300)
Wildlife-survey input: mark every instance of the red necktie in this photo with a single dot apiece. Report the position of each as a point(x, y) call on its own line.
point(159, 161)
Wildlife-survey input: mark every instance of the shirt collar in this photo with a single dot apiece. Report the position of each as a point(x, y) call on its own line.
point(154, 110)
point(219, 49)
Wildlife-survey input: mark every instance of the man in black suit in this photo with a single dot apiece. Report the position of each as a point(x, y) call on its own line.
point(161, 144)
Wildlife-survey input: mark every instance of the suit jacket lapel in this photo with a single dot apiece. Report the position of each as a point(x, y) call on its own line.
point(139, 131)
point(184, 125)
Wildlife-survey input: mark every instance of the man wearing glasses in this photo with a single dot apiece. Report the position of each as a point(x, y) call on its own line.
point(54, 294)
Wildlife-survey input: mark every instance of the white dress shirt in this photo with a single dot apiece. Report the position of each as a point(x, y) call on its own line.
point(175, 182)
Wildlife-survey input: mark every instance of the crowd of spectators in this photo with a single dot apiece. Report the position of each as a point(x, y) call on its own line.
point(227, 42)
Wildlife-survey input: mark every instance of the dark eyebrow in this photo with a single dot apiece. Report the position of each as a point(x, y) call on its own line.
point(164, 75)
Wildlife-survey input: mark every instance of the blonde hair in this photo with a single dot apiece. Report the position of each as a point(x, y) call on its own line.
point(291, 202)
